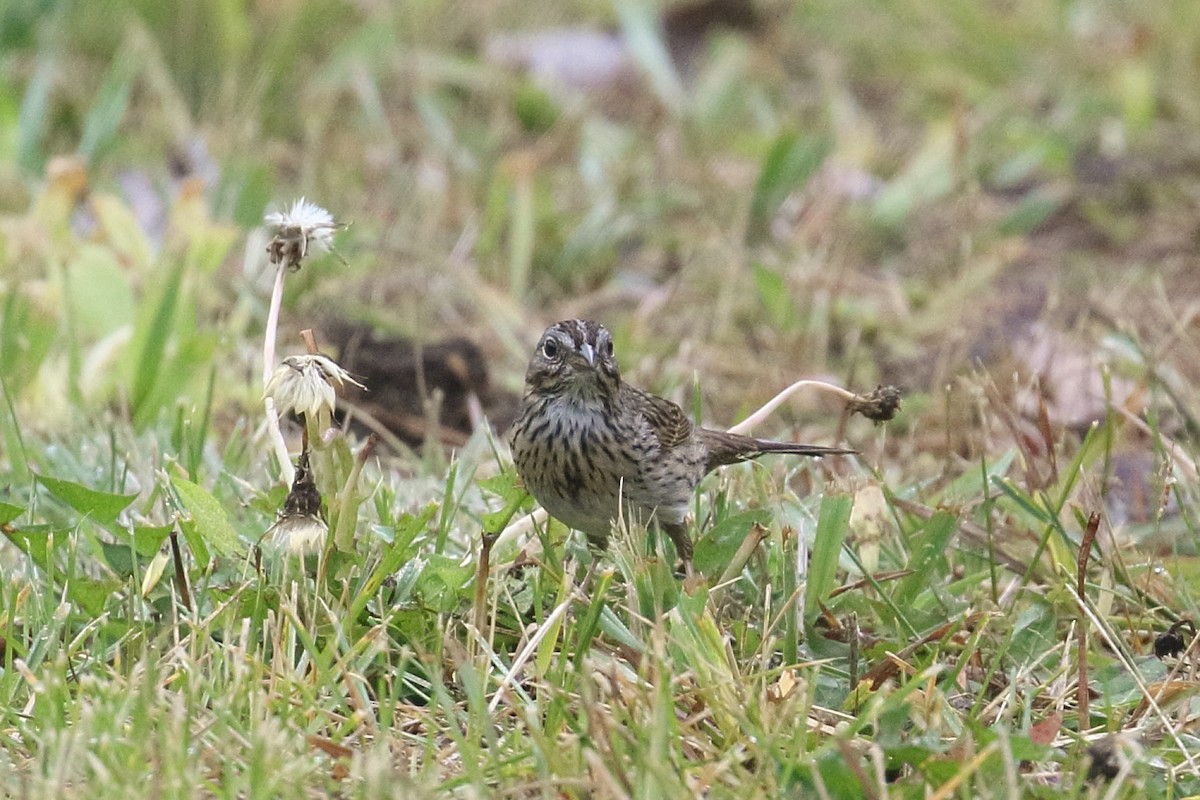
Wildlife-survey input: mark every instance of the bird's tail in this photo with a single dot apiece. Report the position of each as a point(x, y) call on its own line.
point(797, 449)
point(730, 448)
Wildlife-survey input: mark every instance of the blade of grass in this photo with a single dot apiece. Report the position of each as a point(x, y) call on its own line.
point(14, 443)
point(108, 109)
point(789, 163)
point(152, 337)
point(833, 525)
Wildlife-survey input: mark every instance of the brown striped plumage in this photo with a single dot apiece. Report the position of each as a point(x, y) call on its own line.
point(585, 438)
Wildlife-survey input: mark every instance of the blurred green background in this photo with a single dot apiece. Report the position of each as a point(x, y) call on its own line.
point(880, 191)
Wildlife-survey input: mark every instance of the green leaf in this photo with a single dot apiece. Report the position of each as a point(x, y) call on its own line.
point(832, 526)
point(119, 557)
point(442, 584)
point(789, 164)
point(589, 621)
point(100, 506)
point(9, 512)
point(615, 628)
point(148, 539)
point(929, 554)
point(716, 548)
point(399, 554)
point(511, 493)
point(35, 542)
point(195, 541)
point(91, 594)
point(209, 519)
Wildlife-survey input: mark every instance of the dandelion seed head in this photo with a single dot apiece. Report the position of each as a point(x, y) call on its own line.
point(304, 384)
point(304, 227)
point(300, 527)
point(299, 533)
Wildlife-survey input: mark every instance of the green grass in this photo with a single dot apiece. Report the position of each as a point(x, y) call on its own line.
point(913, 191)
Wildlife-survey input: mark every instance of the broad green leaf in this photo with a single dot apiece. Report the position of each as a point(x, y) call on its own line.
point(9, 512)
point(91, 594)
point(148, 539)
point(716, 548)
point(443, 582)
point(34, 541)
point(612, 626)
point(195, 541)
point(119, 557)
point(100, 506)
point(208, 518)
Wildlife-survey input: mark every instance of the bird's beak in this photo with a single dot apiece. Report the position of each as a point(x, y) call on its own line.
point(589, 353)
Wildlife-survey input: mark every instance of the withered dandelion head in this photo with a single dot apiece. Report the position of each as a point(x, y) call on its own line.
point(305, 384)
point(300, 527)
point(880, 405)
point(300, 535)
point(302, 228)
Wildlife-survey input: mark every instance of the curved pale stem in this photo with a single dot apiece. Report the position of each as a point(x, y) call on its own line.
point(288, 472)
point(746, 425)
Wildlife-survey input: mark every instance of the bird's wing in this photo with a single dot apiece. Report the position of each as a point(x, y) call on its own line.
point(667, 420)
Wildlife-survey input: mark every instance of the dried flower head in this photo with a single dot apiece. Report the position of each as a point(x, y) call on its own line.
point(300, 527)
point(303, 227)
point(880, 405)
point(1172, 643)
point(305, 384)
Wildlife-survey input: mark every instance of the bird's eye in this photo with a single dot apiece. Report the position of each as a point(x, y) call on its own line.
point(550, 348)
point(608, 348)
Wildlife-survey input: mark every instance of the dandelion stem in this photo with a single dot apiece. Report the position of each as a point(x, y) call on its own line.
point(272, 324)
point(775, 402)
point(287, 471)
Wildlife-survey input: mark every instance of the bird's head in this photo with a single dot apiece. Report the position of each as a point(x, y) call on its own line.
point(575, 357)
